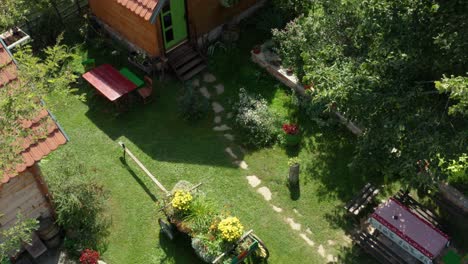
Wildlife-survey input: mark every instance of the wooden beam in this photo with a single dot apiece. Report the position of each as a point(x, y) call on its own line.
point(43, 188)
point(126, 150)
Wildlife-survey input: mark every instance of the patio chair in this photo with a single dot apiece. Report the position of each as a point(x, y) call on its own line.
point(146, 92)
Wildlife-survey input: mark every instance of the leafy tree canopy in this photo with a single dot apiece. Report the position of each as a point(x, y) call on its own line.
point(380, 62)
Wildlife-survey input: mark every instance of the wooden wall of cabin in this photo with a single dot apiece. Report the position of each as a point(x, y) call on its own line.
point(22, 194)
point(131, 26)
point(205, 15)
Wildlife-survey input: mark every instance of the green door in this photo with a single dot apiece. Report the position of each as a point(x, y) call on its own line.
point(174, 26)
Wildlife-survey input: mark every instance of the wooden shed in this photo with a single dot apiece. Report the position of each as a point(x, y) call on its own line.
point(22, 187)
point(166, 28)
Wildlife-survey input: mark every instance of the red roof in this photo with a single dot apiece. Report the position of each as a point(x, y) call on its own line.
point(143, 8)
point(416, 231)
point(46, 135)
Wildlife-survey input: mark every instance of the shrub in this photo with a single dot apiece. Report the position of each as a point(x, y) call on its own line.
point(192, 105)
point(80, 203)
point(89, 256)
point(14, 236)
point(256, 124)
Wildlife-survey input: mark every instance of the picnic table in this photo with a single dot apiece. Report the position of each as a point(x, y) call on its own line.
point(109, 82)
point(132, 77)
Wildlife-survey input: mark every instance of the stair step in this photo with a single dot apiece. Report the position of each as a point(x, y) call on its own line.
point(183, 60)
point(189, 65)
point(179, 52)
point(194, 72)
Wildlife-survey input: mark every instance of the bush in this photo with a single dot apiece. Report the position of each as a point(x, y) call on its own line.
point(257, 125)
point(80, 203)
point(192, 105)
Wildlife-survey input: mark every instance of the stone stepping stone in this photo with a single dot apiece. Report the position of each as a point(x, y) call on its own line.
point(219, 89)
point(309, 231)
point(297, 212)
point(294, 225)
point(321, 251)
point(209, 78)
point(242, 164)
point(230, 153)
point(217, 119)
point(307, 239)
point(277, 209)
point(229, 115)
point(229, 137)
point(221, 128)
point(217, 107)
point(331, 258)
point(205, 92)
point(254, 181)
point(196, 83)
point(265, 192)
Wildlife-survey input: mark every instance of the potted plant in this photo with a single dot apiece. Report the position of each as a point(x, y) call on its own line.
point(141, 61)
point(89, 256)
point(292, 134)
point(257, 49)
point(294, 166)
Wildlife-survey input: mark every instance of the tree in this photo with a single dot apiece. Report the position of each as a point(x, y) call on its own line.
point(377, 60)
point(47, 78)
point(457, 87)
point(15, 12)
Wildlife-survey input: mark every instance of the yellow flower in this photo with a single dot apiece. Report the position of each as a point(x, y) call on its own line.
point(181, 200)
point(231, 229)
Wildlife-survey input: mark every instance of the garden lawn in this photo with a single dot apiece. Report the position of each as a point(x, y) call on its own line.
point(172, 150)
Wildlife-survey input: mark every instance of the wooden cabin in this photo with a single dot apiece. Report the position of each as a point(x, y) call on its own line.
point(165, 28)
point(22, 187)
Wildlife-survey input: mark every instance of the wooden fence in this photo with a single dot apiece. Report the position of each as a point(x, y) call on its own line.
point(62, 10)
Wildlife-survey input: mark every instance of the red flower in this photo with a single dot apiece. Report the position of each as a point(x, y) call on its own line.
point(291, 129)
point(89, 256)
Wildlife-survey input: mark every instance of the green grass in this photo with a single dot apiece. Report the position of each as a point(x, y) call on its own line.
point(174, 150)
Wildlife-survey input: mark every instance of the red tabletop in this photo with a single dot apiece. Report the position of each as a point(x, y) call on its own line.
point(109, 82)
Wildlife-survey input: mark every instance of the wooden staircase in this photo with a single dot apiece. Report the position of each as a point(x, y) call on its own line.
point(186, 61)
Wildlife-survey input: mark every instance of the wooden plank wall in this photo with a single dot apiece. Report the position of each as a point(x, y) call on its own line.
point(134, 28)
point(205, 15)
point(21, 195)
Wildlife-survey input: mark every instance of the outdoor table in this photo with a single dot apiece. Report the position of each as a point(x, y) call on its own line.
point(412, 233)
point(132, 77)
point(109, 82)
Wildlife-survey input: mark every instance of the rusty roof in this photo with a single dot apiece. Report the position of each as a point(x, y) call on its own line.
point(45, 135)
point(143, 8)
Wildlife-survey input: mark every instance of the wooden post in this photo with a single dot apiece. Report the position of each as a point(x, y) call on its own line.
point(294, 175)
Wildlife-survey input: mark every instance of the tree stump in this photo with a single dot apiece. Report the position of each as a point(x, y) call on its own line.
point(294, 175)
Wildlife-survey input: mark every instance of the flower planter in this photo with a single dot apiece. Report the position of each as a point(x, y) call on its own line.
point(15, 37)
point(144, 65)
point(293, 140)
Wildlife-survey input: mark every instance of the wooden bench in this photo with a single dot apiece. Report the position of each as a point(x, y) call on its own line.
point(374, 247)
point(418, 208)
point(362, 199)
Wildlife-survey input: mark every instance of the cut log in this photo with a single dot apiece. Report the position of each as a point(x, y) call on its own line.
point(294, 175)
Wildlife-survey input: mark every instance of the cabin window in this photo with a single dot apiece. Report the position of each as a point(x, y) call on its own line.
point(167, 20)
point(167, 7)
point(169, 35)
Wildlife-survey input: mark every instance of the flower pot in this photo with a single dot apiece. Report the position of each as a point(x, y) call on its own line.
point(293, 140)
point(14, 37)
point(257, 50)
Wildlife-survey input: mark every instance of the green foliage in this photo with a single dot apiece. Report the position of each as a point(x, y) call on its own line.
point(293, 161)
point(201, 215)
point(377, 61)
point(38, 78)
point(80, 203)
point(15, 12)
point(458, 89)
point(192, 105)
point(257, 125)
point(457, 171)
point(14, 236)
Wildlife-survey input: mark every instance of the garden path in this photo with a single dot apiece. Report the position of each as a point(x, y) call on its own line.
point(209, 80)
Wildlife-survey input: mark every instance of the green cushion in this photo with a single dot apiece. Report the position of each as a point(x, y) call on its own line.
point(132, 77)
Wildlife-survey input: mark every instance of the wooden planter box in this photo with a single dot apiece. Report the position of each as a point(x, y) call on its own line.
point(14, 38)
point(146, 67)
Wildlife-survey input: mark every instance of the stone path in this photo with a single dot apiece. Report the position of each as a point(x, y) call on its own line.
point(209, 81)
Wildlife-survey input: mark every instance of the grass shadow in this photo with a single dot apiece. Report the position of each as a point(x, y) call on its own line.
point(178, 250)
point(138, 180)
